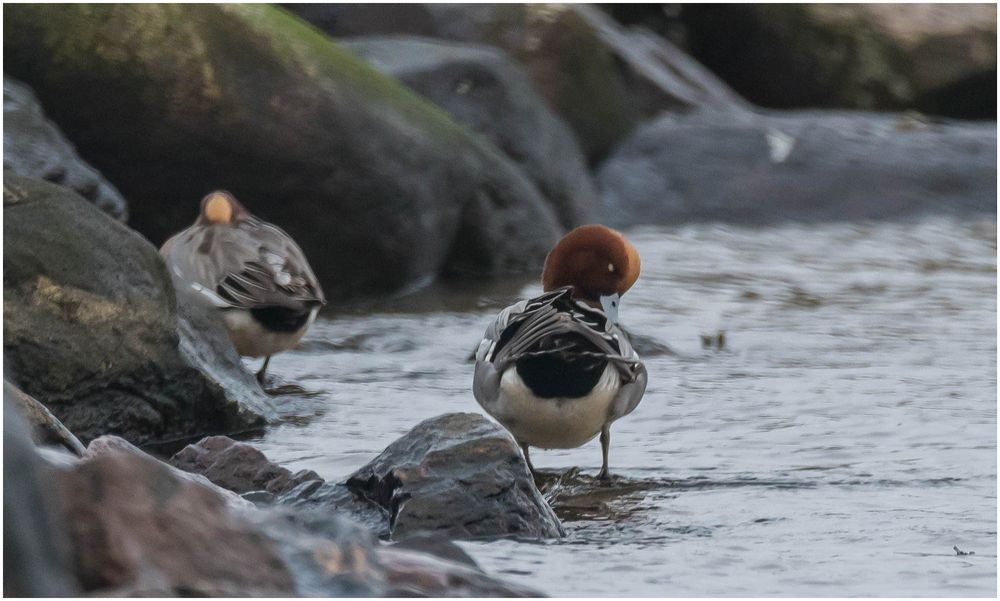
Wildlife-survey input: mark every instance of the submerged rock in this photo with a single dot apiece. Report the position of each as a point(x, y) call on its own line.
point(459, 475)
point(380, 188)
point(238, 466)
point(34, 147)
point(484, 90)
point(805, 166)
point(36, 552)
point(91, 328)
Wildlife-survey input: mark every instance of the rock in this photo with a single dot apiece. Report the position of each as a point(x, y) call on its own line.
point(142, 527)
point(381, 189)
point(238, 466)
point(34, 147)
point(90, 326)
point(487, 92)
point(36, 557)
point(570, 66)
point(935, 58)
point(137, 528)
point(807, 166)
point(459, 475)
point(437, 545)
point(46, 429)
point(413, 574)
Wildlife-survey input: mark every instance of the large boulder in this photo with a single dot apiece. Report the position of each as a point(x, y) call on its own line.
point(564, 57)
point(381, 189)
point(459, 475)
point(36, 553)
point(801, 166)
point(936, 58)
point(46, 429)
point(91, 326)
point(484, 90)
point(34, 147)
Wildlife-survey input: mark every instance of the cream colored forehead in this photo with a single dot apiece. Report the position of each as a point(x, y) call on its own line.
point(218, 209)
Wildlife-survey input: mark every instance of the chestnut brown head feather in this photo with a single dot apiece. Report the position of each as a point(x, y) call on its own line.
point(220, 207)
point(595, 260)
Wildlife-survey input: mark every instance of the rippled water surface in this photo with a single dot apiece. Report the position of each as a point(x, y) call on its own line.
point(841, 442)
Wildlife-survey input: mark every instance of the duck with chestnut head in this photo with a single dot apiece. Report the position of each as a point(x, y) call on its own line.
point(557, 370)
point(252, 271)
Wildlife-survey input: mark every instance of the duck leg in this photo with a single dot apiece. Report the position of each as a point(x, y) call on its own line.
point(527, 459)
point(260, 374)
point(604, 474)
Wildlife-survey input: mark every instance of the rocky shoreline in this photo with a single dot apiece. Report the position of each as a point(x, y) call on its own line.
point(448, 142)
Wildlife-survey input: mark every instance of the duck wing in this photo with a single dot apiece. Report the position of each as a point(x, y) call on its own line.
point(250, 266)
point(555, 324)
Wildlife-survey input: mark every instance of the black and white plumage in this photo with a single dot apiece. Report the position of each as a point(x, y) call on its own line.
point(252, 271)
point(556, 372)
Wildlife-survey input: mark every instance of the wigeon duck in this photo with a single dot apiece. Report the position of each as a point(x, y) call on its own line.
point(556, 370)
point(252, 271)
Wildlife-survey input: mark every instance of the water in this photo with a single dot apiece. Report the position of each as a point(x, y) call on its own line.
point(841, 443)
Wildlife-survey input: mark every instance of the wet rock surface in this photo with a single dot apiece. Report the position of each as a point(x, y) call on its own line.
point(36, 558)
point(804, 166)
point(484, 90)
point(460, 475)
point(90, 325)
point(238, 466)
point(382, 190)
point(34, 147)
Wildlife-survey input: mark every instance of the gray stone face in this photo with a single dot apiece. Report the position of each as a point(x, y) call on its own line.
point(484, 90)
point(34, 147)
point(803, 166)
point(91, 326)
point(457, 474)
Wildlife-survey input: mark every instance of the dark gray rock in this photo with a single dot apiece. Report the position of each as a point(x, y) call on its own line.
point(46, 428)
point(34, 147)
point(568, 63)
point(238, 466)
point(36, 552)
point(804, 166)
point(90, 326)
point(459, 475)
point(484, 90)
point(380, 188)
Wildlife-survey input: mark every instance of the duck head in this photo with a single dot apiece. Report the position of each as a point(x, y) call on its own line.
point(221, 208)
point(598, 262)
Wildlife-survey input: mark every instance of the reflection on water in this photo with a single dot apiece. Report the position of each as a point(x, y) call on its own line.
point(840, 442)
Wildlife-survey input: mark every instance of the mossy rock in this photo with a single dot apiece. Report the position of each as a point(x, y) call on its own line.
point(381, 189)
point(91, 328)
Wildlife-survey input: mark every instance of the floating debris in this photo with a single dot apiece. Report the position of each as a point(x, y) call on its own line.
point(961, 552)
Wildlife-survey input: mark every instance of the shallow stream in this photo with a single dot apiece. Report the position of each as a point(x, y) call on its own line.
point(841, 442)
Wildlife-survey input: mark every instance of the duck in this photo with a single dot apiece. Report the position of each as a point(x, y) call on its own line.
point(252, 271)
point(557, 370)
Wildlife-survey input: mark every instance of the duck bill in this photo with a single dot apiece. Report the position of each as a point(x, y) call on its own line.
point(609, 303)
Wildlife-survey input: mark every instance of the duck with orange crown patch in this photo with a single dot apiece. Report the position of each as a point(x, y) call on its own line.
point(252, 271)
point(557, 370)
